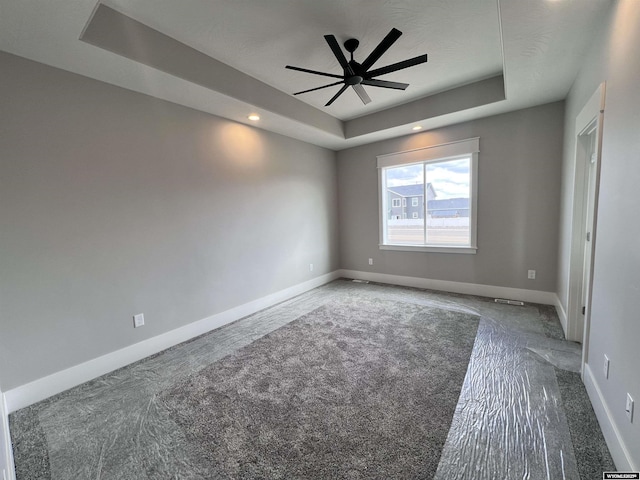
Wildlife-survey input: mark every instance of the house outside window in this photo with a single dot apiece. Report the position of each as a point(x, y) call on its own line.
point(446, 175)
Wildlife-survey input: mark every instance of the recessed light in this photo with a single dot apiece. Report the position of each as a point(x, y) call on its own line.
point(254, 117)
point(416, 128)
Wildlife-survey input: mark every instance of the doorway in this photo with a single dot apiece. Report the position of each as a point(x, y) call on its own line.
point(588, 142)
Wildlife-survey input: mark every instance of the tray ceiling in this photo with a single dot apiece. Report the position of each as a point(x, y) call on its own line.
point(228, 58)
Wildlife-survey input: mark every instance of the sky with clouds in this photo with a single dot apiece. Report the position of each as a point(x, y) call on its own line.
point(450, 179)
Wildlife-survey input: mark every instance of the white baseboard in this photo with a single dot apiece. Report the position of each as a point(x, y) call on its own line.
point(6, 462)
point(562, 315)
point(615, 442)
point(531, 296)
point(45, 387)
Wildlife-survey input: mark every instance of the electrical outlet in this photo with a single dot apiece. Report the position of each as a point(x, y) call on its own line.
point(606, 367)
point(311, 267)
point(371, 261)
point(531, 274)
point(138, 320)
point(629, 408)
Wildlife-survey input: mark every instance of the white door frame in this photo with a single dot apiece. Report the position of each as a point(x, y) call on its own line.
point(592, 113)
point(6, 450)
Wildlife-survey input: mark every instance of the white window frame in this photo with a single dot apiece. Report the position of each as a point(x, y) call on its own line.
point(436, 153)
point(414, 201)
point(394, 201)
point(414, 215)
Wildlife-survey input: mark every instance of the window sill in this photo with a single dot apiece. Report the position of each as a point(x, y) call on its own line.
point(430, 249)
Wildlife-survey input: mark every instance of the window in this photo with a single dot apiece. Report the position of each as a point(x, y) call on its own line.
point(445, 177)
point(404, 202)
point(395, 202)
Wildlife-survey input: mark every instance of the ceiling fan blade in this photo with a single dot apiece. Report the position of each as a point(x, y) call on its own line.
point(382, 47)
point(361, 93)
point(340, 92)
point(397, 66)
point(318, 88)
point(315, 72)
point(385, 84)
point(337, 51)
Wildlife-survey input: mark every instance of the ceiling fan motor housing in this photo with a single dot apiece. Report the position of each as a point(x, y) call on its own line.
point(357, 76)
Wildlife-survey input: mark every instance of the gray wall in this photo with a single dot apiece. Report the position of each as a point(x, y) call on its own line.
point(114, 203)
point(518, 194)
point(615, 321)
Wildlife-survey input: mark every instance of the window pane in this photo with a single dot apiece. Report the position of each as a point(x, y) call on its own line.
point(448, 212)
point(404, 220)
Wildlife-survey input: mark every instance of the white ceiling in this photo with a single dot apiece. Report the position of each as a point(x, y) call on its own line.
point(538, 45)
point(276, 33)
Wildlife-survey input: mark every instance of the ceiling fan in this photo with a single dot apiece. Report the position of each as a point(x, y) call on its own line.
point(358, 74)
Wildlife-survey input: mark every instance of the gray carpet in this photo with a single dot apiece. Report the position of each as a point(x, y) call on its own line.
point(360, 389)
point(589, 446)
point(137, 424)
point(147, 421)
